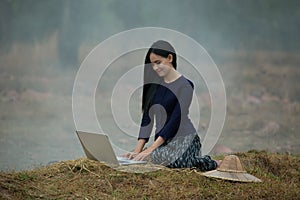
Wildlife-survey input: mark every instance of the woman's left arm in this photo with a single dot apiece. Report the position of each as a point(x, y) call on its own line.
point(181, 108)
point(141, 156)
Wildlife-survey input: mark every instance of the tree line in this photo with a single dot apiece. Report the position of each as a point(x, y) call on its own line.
point(228, 24)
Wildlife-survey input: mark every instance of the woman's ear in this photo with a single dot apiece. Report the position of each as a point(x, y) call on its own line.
point(170, 58)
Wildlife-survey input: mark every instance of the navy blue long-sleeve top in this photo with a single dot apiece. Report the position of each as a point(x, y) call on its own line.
point(170, 107)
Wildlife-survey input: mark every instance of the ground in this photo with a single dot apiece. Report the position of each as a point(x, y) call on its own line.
point(86, 179)
point(37, 128)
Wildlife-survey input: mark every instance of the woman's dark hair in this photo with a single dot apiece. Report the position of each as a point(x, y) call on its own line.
point(151, 79)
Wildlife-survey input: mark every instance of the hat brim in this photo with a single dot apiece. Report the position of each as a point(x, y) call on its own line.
point(232, 176)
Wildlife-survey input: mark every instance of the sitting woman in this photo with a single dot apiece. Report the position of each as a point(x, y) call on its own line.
point(167, 96)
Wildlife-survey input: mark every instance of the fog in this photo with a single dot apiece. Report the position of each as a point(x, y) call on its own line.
point(43, 43)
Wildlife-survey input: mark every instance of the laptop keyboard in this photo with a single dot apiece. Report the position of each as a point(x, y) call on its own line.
point(123, 160)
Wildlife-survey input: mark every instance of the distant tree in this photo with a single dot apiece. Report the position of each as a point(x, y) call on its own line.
point(255, 24)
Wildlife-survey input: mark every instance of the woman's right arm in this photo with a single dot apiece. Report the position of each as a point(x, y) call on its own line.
point(144, 133)
point(140, 145)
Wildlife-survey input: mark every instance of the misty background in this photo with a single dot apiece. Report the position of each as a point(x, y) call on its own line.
point(42, 44)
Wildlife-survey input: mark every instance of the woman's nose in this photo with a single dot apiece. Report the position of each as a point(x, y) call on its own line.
point(154, 66)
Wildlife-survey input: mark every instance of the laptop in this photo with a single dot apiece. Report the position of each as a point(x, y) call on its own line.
point(97, 147)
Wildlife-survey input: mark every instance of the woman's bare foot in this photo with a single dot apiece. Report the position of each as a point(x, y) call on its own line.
point(218, 163)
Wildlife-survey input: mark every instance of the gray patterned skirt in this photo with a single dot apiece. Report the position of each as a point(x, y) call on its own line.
point(183, 152)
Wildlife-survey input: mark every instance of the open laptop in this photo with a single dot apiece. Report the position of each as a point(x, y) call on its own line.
point(98, 147)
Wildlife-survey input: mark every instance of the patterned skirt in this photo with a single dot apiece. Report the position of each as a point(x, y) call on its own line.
point(183, 152)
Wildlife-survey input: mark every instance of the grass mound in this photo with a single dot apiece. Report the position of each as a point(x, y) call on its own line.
point(86, 179)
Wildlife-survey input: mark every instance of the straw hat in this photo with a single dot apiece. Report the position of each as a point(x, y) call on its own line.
point(231, 169)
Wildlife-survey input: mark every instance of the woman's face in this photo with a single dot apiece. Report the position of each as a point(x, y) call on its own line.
point(161, 65)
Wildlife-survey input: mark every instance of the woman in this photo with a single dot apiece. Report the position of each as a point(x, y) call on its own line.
point(167, 95)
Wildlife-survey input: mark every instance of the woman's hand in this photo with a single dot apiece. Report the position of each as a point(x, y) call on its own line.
point(129, 155)
point(143, 155)
point(138, 149)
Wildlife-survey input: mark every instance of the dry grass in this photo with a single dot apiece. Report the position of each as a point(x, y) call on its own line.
point(86, 179)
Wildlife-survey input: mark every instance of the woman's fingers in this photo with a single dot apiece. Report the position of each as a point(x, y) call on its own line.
point(129, 155)
point(125, 155)
point(132, 156)
point(141, 156)
point(138, 157)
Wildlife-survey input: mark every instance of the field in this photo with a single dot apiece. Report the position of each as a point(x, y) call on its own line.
point(85, 179)
point(37, 129)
